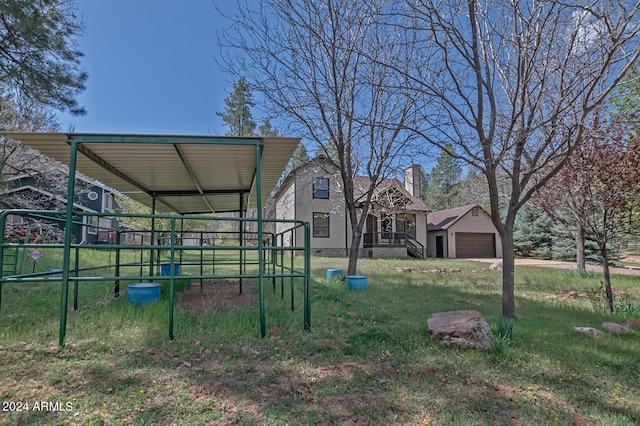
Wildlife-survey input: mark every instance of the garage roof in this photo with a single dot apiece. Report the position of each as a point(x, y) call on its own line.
point(187, 174)
point(443, 219)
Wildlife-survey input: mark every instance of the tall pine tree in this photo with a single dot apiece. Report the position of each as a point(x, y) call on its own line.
point(39, 60)
point(445, 177)
point(237, 111)
point(299, 157)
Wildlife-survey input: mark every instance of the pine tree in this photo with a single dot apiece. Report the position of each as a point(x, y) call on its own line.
point(443, 193)
point(424, 186)
point(299, 157)
point(38, 56)
point(533, 233)
point(267, 130)
point(237, 112)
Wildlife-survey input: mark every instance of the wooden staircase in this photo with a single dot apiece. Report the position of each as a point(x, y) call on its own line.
point(415, 249)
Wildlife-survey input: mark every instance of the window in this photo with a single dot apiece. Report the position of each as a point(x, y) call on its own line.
point(321, 188)
point(92, 221)
point(321, 225)
point(406, 222)
point(474, 211)
point(108, 201)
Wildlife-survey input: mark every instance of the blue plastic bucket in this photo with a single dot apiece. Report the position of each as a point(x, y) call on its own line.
point(334, 273)
point(141, 293)
point(357, 282)
point(165, 269)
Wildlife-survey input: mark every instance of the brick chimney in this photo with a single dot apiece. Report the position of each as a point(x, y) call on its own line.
point(412, 179)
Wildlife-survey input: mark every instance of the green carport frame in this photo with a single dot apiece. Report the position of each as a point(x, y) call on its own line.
point(175, 174)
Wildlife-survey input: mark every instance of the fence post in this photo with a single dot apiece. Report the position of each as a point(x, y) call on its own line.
point(116, 290)
point(307, 280)
point(67, 241)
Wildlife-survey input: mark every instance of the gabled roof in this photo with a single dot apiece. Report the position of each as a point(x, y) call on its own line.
point(184, 173)
point(59, 198)
point(318, 162)
point(443, 219)
point(79, 177)
point(361, 185)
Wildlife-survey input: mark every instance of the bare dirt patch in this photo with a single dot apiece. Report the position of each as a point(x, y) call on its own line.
point(216, 295)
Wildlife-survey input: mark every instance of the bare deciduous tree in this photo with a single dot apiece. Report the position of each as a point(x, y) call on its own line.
point(510, 84)
point(321, 65)
point(18, 160)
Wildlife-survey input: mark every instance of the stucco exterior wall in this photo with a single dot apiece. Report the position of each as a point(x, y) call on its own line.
point(296, 201)
point(431, 243)
point(306, 205)
point(285, 209)
point(421, 230)
point(469, 223)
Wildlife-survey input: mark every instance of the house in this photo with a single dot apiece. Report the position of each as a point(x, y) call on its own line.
point(28, 192)
point(394, 227)
point(462, 232)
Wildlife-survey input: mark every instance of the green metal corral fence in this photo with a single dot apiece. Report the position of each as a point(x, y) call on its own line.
point(239, 255)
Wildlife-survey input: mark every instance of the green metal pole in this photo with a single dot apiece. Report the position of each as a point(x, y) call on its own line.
point(2, 224)
point(75, 284)
point(281, 260)
point(141, 252)
point(116, 290)
point(291, 265)
point(153, 234)
point(241, 237)
point(181, 237)
point(67, 241)
point(263, 326)
point(274, 255)
point(171, 274)
point(201, 260)
point(307, 274)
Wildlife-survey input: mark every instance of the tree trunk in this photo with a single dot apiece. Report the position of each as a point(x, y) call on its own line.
point(579, 239)
point(356, 237)
point(508, 273)
point(607, 277)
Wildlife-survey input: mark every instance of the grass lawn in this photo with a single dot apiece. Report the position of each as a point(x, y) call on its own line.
point(367, 361)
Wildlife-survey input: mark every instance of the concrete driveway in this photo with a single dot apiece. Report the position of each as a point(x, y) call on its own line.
point(563, 265)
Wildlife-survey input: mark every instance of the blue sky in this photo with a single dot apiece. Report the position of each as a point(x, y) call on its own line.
point(152, 68)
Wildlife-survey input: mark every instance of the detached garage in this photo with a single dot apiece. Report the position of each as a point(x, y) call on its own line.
point(463, 232)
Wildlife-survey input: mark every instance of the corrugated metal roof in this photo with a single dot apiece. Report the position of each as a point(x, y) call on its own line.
point(188, 174)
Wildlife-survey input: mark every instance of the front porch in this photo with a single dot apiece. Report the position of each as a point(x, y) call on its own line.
point(392, 244)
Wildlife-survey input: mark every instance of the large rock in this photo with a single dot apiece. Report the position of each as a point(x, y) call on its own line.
point(612, 327)
point(463, 329)
point(633, 324)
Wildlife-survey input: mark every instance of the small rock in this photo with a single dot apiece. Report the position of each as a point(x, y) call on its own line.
point(402, 270)
point(633, 324)
point(496, 266)
point(591, 332)
point(612, 327)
